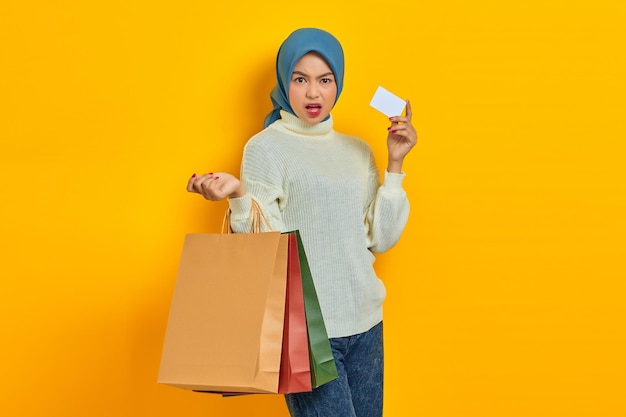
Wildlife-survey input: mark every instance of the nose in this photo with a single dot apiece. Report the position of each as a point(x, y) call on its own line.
point(312, 90)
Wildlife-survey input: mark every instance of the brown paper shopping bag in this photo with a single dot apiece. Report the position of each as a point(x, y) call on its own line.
point(225, 327)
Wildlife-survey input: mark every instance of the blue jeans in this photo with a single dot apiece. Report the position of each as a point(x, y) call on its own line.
point(358, 392)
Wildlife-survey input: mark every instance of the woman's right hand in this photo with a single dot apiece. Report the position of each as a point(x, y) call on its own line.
point(216, 186)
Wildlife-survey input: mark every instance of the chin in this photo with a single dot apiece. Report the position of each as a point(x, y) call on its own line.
point(313, 119)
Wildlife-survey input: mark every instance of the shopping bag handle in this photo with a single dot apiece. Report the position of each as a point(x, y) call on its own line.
point(256, 215)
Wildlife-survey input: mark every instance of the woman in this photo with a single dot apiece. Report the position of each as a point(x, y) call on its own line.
point(326, 184)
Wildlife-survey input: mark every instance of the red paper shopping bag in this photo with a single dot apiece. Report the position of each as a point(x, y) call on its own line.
point(295, 371)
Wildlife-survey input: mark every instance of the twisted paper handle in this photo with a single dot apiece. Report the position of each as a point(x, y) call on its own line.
point(254, 222)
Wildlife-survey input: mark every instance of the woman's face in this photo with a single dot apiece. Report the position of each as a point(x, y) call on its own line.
point(312, 88)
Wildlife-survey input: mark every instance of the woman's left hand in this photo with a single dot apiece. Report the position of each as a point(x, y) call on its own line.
point(400, 140)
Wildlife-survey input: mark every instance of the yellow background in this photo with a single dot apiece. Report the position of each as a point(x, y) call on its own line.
point(506, 292)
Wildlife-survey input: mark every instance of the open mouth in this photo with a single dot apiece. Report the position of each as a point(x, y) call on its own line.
point(313, 109)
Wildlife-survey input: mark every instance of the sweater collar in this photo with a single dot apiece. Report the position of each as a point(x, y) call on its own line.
point(294, 124)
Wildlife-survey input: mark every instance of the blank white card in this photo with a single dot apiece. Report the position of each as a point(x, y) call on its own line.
point(387, 103)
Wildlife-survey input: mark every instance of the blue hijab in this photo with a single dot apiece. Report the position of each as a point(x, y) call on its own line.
point(298, 44)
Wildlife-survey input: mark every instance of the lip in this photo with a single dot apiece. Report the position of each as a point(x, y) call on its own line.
point(313, 109)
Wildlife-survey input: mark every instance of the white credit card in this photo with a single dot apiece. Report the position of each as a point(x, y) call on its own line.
point(387, 103)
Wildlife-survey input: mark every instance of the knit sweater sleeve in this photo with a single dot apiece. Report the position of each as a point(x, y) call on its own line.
point(262, 178)
point(388, 212)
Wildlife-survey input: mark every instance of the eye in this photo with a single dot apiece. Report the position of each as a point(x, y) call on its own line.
point(299, 80)
point(326, 80)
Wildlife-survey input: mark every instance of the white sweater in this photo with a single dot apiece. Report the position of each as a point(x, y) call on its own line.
point(326, 185)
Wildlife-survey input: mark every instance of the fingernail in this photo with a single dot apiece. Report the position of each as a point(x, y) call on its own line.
point(394, 131)
point(389, 128)
point(193, 176)
point(391, 118)
point(217, 178)
point(210, 173)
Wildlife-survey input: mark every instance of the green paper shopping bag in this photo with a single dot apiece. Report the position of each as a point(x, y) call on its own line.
point(323, 368)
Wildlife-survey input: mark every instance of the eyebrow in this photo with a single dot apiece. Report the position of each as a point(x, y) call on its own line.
point(326, 74)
